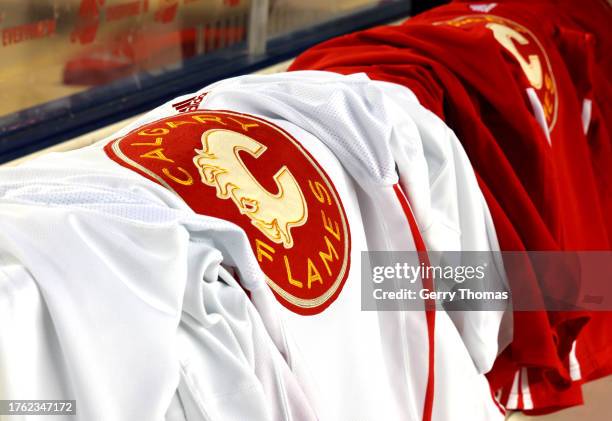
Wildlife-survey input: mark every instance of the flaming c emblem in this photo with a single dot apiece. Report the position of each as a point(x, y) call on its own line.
point(248, 171)
point(220, 166)
point(528, 52)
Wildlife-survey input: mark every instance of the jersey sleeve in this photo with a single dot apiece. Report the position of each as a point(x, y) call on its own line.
point(104, 290)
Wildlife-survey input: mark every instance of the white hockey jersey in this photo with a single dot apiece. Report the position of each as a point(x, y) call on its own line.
point(123, 265)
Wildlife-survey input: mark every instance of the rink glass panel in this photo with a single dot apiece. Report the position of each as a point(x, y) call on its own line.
point(61, 56)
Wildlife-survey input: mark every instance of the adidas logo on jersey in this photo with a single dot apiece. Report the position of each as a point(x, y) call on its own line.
point(483, 8)
point(190, 104)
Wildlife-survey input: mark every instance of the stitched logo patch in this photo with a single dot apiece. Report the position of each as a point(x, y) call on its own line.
point(526, 50)
point(248, 171)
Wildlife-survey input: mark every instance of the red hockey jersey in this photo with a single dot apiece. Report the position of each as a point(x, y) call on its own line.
point(580, 35)
point(495, 74)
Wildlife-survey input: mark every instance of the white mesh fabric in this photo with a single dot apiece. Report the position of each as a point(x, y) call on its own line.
point(347, 114)
point(135, 199)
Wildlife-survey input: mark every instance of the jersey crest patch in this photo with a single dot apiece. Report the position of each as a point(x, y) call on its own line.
point(246, 170)
point(528, 52)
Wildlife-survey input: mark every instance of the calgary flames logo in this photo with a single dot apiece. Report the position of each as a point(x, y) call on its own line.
point(220, 166)
point(248, 171)
point(528, 52)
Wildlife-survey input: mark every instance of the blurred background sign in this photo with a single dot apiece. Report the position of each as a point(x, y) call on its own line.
point(68, 66)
